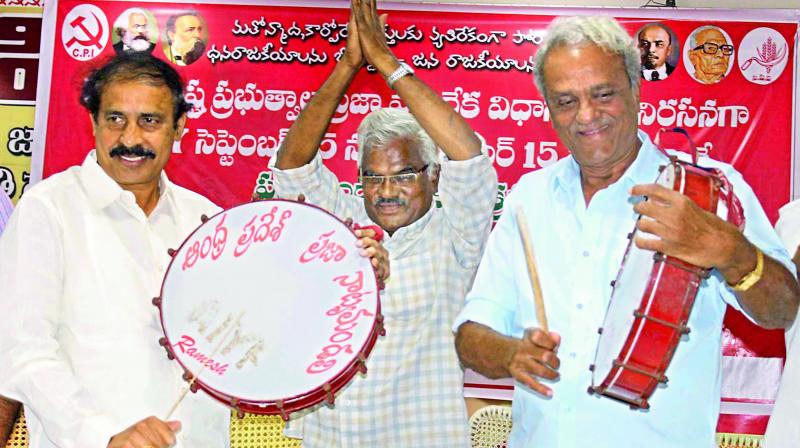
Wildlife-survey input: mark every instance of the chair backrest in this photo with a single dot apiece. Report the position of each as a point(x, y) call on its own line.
point(490, 426)
point(729, 440)
point(260, 431)
point(19, 434)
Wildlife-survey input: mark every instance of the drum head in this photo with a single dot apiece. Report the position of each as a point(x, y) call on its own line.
point(269, 301)
point(629, 287)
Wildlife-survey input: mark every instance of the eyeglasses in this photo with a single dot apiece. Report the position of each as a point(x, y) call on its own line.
point(402, 179)
point(712, 48)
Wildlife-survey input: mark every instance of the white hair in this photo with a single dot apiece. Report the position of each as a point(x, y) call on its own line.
point(121, 24)
point(603, 31)
point(384, 126)
point(693, 38)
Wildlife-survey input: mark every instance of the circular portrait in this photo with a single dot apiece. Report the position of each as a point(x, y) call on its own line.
point(762, 55)
point(135, 30)
point(709, 54)
point(185, 37)
point(660, 51)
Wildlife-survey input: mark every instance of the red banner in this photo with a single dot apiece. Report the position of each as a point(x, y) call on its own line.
point(261, 64)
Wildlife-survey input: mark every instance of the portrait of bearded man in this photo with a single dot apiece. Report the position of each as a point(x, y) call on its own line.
point(133, 28)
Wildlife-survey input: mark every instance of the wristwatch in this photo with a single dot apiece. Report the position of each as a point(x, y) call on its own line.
point(401, 71)
point(752, 277)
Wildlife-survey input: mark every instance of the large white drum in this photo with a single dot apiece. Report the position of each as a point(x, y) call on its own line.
point(269, 307)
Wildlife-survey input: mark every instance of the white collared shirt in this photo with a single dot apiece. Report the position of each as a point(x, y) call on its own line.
point(662, 73)
point(79, 345)
point(784, 424)
point(579, 251)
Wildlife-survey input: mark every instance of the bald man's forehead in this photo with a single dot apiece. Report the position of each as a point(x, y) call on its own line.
point(655, 32)
point(711, 35)
point(137, 18)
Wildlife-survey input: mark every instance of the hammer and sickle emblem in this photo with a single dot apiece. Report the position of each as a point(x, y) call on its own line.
point(91, 39)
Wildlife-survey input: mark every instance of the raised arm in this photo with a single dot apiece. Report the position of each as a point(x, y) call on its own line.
point(304, 137)
point(445, 126)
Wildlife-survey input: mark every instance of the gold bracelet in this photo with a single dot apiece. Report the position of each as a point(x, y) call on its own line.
point(752, 277)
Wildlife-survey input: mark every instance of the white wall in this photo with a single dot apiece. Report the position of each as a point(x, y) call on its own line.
point(788, 4)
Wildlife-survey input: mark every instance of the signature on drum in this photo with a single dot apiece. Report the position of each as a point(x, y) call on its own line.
point(324, 249)
point(205, 316)
point(347, 314)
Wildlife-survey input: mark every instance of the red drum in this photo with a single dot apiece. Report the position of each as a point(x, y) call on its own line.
point(652, 297)
point(269, 308)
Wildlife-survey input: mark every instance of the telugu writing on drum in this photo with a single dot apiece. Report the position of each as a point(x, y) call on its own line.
point(347, 314)
point(270, 305)
point(258, 229)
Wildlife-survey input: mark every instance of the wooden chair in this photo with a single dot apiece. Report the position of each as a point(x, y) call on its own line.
point(260, 431)
point(490, 426)
point(19, 435)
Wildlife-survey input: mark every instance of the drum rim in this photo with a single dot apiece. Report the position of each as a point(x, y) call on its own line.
point(347, 372)
point(610, 382)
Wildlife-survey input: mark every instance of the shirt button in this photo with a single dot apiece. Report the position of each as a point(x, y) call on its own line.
point(579, 306)
point(586, 253)
point(572, 355)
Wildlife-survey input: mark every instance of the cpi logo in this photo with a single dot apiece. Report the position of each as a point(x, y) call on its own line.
point(85, 32)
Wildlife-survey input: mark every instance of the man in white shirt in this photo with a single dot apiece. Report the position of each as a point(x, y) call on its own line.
point(579, 212)
point(8, 408)
point(784, 424)
point(83, 255)
point(412, 393)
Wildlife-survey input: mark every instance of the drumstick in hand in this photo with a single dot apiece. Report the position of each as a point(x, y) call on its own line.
point(203, 368)
point(532, 273)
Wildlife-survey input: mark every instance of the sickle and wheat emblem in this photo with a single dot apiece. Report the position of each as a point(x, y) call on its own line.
point(767, 56)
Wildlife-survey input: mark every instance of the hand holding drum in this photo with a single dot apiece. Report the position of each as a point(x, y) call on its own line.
point(369, 241)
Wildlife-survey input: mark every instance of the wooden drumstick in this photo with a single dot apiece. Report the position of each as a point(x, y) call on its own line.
point(538, 300)
point(203, 368)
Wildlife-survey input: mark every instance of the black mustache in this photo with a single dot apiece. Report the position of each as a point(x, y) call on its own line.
point(132, 151)
point(389, 201)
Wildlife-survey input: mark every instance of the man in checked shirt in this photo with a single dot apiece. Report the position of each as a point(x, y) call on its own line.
point(412, 393)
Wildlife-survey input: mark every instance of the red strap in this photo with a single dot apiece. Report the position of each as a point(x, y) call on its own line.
point(681, 131)
point(735, 210)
